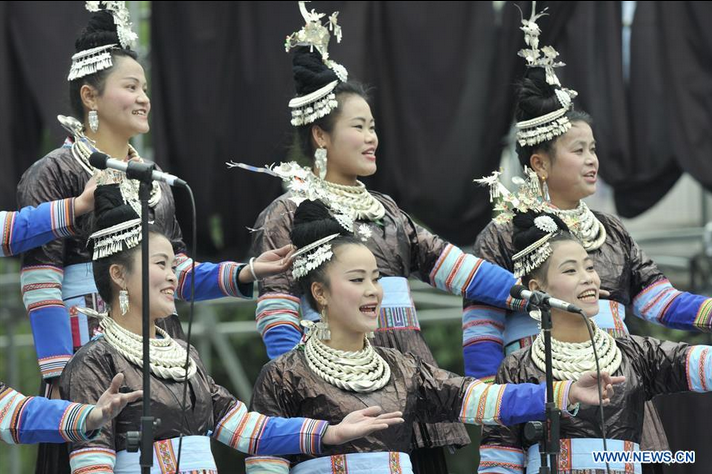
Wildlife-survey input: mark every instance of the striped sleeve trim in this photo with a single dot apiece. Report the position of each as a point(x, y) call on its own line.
point(311, 435)
point(93, 461)
point(699, 368)
point(561, 397)
point(241, 429)
point(7, 226)
point(41, 286)
point(277, 309)
point(501, 460)
point(53, 366)
point(482, 403)
point(62, 215)
point(516, 305)
point(229, 284)
point(73, 424)
point(454, 270)
point(483, 323)
point(653, 302)
point(703, 318)
point(266, 465)
point(183, 266)
point(11, 406)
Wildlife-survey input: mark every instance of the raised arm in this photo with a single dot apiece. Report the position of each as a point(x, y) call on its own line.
point(483, 325)
point(278, 306)
point(42, 271)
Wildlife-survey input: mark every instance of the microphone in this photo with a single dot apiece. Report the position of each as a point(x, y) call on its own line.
point(102, 161)
point(538, 297)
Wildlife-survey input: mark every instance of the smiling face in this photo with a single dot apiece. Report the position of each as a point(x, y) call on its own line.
point(123, 105)
point(572, 174)
point(353, 294)
point(570, 277)
point(162, 279)
point(351, 145)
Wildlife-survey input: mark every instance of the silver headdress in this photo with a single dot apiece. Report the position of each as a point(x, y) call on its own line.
point(312, 256)
point(311, 107)
point(115, 239)
point(527, 196)
point(535, 254)
point(97, 59)
point(581, 221)
point(123, 235)
point(347, 203)
point(546, 127)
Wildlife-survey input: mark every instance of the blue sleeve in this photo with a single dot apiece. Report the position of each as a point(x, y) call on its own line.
point(212, 280)
point(509, 404)
point(33, 227)
point(39, 420)
point(277, 317)
point(254, 433)
point(660, 303)
point(482, 339)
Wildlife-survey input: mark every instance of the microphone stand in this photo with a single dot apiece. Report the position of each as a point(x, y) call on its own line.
point(143, 173)
point(548, 435)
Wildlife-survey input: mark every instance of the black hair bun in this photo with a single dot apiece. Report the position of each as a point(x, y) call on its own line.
point(100, 31)
point(310, 72)
point(313, 221)
point(535, 97)
point(109, 207)
point(526, 232)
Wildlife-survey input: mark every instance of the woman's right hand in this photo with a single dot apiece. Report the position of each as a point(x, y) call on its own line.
point(270, 262)
point(585, 389)
point(85, 202)
point(360, 423)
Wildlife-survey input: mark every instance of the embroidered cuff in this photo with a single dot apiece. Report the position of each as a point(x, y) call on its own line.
point(561, 398)
point(93, 460)
point(63, 218)
point(266, 465)
point(313, 432)
point(73, 424)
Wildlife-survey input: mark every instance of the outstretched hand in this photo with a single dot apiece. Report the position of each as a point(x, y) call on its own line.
point(110, 404)
point(360, 423)
point(271, 262)
point(585, 390)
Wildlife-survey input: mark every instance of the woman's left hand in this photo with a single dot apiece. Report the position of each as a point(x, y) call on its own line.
point(271, 262)
point(110, 404)
point(360, 423)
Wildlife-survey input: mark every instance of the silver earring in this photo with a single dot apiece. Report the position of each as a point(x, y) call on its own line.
point(124, 301)
point(545, 191)
point(323, 331)
point(94, 120)
point(320, 161)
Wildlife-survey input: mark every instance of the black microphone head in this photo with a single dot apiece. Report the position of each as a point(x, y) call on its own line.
point(516, 291)
point(98, 160)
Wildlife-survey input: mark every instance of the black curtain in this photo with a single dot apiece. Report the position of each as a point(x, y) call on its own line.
point(222, 80)
point(36, 44)
point(685, 44)
point(443, 76)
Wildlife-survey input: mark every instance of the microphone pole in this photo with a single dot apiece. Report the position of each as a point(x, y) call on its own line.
point(549, 435)
point(143, 174)
point(553, 414)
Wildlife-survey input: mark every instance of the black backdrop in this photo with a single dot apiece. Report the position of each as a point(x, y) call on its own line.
point(443, 76)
